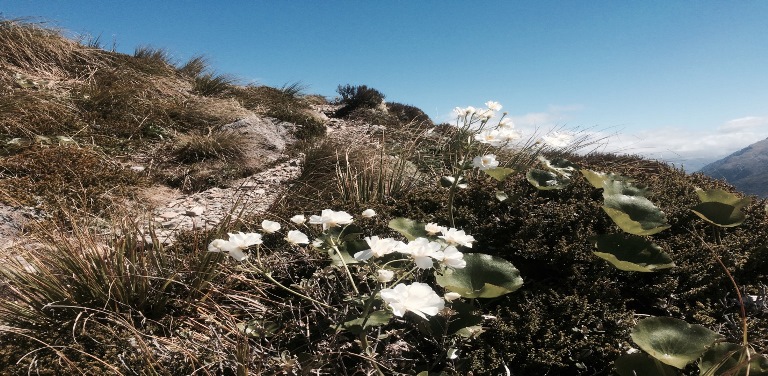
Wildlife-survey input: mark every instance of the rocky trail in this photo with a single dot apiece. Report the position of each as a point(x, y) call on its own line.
point(264, 140)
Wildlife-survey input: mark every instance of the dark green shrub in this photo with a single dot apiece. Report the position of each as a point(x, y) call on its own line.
point(354, 97)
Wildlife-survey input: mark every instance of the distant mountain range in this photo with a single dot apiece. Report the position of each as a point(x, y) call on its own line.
point(746, 169)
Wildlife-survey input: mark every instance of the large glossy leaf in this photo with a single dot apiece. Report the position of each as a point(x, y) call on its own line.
point(408, 228)
point(672, 341)
point(499, 173)
point(598, 179)
point(640, 364)
point(730, 359)
point(720, 208)
point(631, 253)
point(546, 180)
point(559, 166)
point(484, 276)
point(630, 210)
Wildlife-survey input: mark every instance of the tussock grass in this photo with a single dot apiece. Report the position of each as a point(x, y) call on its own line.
point(223, 145)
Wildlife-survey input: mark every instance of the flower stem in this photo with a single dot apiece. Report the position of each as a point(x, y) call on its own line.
point(346, 269)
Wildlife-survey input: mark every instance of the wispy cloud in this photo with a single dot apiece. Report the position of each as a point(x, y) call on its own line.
point(556, 115)
point(692, 149)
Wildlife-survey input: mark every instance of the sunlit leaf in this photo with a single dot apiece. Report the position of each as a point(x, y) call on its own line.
point(630, 210)
point(672, 341)
point(499, 173)
point(598, 179)
point(720, 208)
point(730, 359)
point(631, 253)
point(376, 318)
point(408, 228)
point(640, 364)
point(546, 180)
point(484, 276)
point(559, 166)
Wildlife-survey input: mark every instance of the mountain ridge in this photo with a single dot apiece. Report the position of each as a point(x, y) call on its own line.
point(744, 169)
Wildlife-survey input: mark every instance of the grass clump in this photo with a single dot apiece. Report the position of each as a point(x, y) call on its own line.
point(286, 104)
point(193, 148)
point(61, 176)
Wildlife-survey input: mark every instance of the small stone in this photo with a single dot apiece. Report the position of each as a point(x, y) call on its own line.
point(137, 168)
point(195, 211)
point(169, 214)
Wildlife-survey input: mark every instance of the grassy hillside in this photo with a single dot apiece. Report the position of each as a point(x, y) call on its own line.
point(74, 117)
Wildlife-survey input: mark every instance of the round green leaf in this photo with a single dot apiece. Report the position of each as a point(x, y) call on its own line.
point(546, 180)
point(719, 214)
point(672, 341)
point(560, 166)
point(408, 228)
point(730, 359)
point(598, 179)
point(632, 212)
point(720, 208)
point(499, 173)
point(640, 364)
point(631, 253)
point(484, 276)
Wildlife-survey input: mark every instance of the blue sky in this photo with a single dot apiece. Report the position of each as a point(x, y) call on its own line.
point(684, 81)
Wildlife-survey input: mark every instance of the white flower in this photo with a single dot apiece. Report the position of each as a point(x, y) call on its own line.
point(453, 236)
point(379, 247)
point(236, 244)
point(485, 162)
point(423, 252)
point(453, 258)
point(557, 139)
point(460, 113)
point(317, 243)
point(329, 218)
point(489, 136)
point(297, 237)
point(485, 115)
point(451, 296)
point(433, 228)
point(505, 123)
point(507, 135)
point(384, 275)
point(417, 297)
point(368, 213)
point(243, 241)
point(269, 226)
point(493, 106)
point(217, 245)
point(298, 219)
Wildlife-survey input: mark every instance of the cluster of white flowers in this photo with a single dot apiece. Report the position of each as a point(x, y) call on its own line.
point(419, 298)
point(557, 139)
point(422, 251)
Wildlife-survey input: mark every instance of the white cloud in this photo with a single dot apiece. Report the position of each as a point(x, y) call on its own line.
point(688, 148)
point(747, 122)
point(556, 115)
